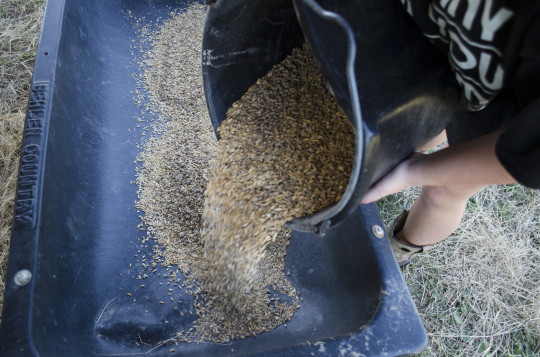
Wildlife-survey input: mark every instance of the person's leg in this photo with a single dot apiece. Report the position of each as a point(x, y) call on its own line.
point(438, 210)
point(436, 214)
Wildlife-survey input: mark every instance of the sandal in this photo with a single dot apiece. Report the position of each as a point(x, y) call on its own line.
point(403, 252)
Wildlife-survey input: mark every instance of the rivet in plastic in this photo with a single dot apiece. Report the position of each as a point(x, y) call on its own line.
point(378, 231)
point(23, 277)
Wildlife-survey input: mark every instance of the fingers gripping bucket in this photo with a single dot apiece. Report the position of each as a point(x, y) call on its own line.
point(395, 88)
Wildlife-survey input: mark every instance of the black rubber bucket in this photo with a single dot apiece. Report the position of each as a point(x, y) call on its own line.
point(396, 89)
point(76, 252)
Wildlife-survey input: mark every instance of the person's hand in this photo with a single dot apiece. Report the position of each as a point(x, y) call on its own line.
point(462, 166)
point(395, 181)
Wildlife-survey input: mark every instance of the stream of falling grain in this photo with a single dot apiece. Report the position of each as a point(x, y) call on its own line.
point(286, 151)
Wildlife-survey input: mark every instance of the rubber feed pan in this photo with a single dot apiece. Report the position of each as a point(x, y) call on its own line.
point(75, 225)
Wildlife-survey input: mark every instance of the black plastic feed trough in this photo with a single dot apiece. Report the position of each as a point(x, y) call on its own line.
point(75, 225)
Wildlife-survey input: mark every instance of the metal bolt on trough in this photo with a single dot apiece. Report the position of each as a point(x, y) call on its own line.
point(378, 231)
point(22, 277)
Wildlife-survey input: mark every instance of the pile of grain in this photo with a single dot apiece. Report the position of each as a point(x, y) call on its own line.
point(172, 176)
point(175, 158)
point(288, 157)
point(286, 151)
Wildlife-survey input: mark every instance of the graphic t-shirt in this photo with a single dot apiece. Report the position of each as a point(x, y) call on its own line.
point(493, 45)
point(475, 34)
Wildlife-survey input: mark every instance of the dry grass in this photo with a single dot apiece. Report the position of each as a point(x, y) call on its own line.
point(478, 292)
point(10, 134)
point(20, 25)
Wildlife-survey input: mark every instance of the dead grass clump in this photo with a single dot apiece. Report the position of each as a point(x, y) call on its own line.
point(11, 127)
point(477, 291)
point(20, 25)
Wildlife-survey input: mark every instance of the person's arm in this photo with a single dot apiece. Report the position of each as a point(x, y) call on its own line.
point(469, 163)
